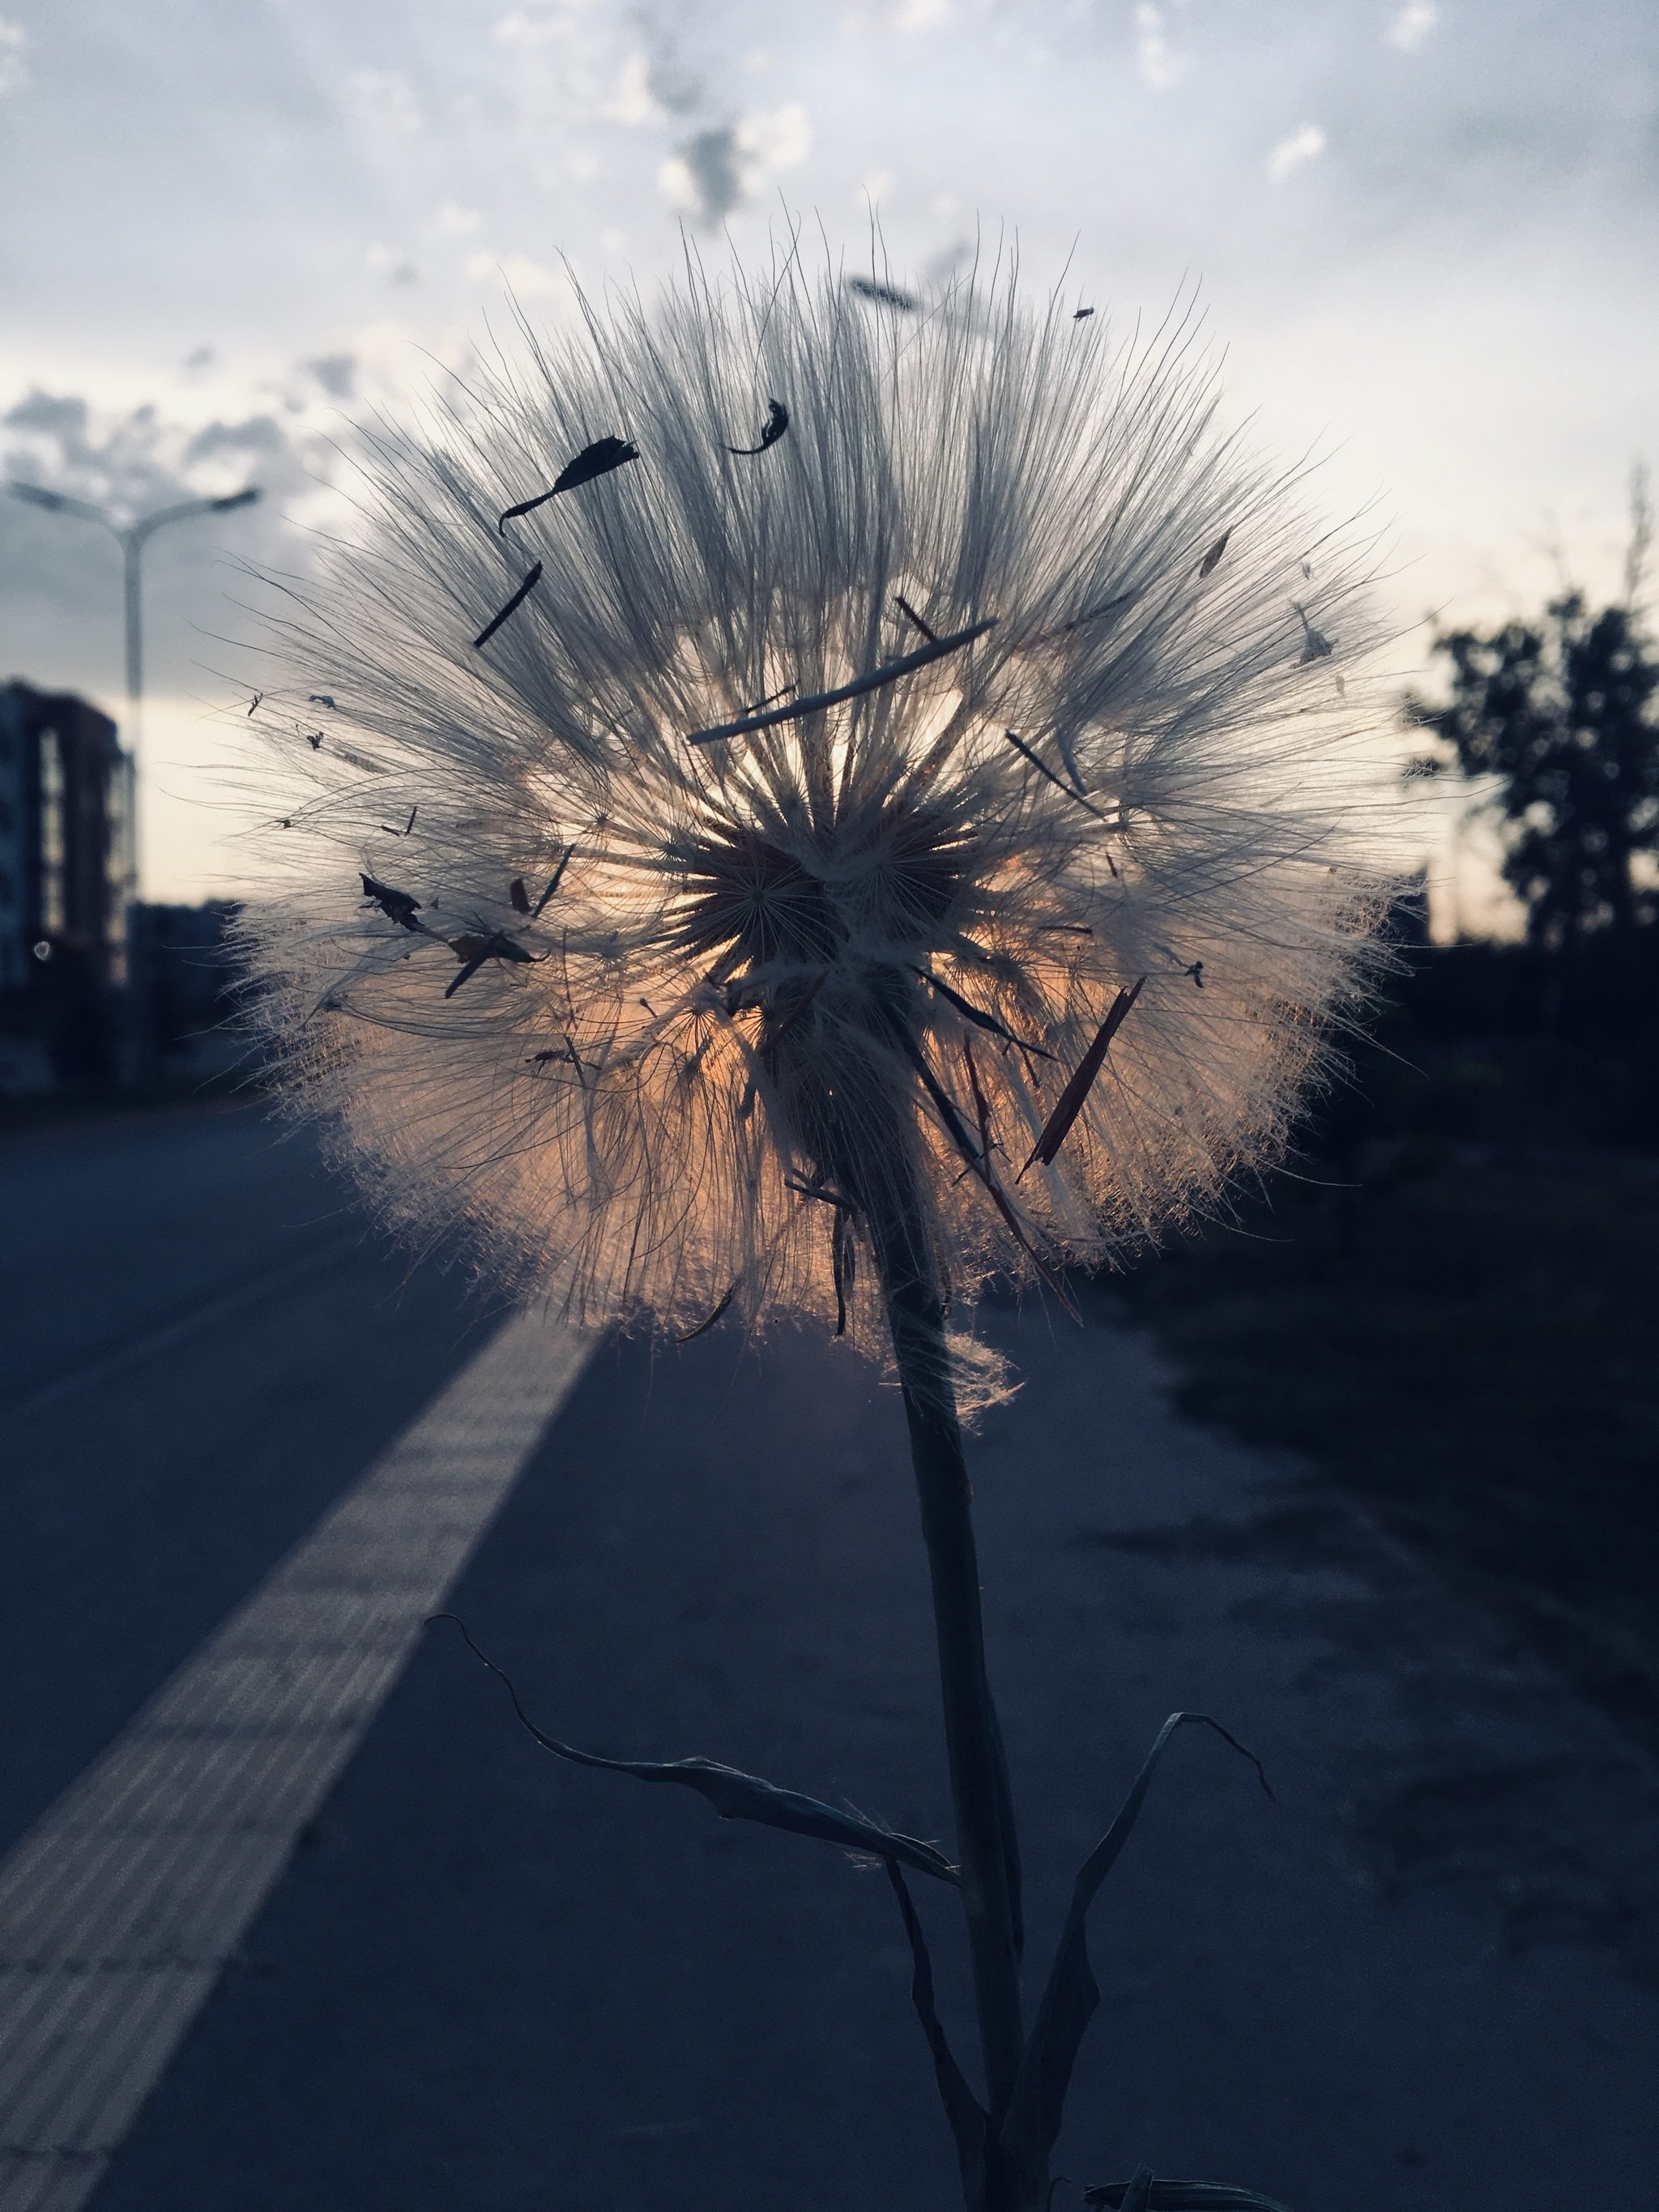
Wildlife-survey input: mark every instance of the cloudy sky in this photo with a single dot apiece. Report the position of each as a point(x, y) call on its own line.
point(1423, 231)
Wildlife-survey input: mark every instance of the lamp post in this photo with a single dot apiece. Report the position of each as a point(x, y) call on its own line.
point(132, 537)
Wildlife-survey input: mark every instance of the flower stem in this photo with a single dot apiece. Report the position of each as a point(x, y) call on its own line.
point(979, 1786)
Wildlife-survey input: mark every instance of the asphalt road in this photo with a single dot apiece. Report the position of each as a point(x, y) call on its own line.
point(1429, 1978)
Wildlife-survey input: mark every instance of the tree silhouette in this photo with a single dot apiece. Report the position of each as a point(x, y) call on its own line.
point(1561, 712)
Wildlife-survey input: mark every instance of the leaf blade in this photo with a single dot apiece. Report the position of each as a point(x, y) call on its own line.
point(736, 1795)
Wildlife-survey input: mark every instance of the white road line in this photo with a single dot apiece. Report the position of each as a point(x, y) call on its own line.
point(120, 1907)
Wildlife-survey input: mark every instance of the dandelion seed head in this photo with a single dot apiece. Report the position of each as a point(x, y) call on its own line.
point(715, 1001)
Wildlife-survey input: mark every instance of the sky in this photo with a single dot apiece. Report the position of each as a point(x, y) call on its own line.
point(1422, 233)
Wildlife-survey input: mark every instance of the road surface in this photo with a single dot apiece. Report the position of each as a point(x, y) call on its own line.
point(484, 1980)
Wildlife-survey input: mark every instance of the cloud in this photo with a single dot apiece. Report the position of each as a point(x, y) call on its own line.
point(922, 15)
point(633, 102)
point(457, 222)
point(1161, 67)
point(704, 176)
point(386, 97)
point(337, 373)
point(1413, 25)
point(14, 70)
point(716, 170)
point(1303, 146)
point(60, 576)
point(536, 26)
point(524, 278)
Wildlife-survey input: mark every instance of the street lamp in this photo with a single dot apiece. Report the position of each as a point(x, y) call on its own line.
point(132, 537)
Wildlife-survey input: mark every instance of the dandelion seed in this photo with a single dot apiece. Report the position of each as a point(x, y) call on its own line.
point(320, 699)
point(777, 421)
point(314, 739)
point(511, 608)
point(768, 955)
point(1082, 314)
point(254, 701)
point(1212, 560)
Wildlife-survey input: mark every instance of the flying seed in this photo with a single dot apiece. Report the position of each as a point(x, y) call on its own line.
point(511, 608)
point(397, 906)
point(1069, 1104)
point(703, 1327)
point(1207, 565)
point(595, 460)
point(553, 886)
point(910, 615)
point(472, 951)
point(872, 681)
point(981, 1020)
point(883, 295)
point(519, 895)
point(256, 699)
point(1091, 614)
point(777, 421)
point(1196, 971)
point(1314, 647)
point(1082, 314)
point(320, 699)
point(314, 739)
point(1064, 789)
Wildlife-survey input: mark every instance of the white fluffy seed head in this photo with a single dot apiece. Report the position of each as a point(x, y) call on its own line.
point(785, 974)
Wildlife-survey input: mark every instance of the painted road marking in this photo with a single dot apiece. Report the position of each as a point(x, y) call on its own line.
point(120, 1908)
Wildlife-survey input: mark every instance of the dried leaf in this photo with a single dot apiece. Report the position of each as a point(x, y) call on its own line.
point(969, 2123)
point(1071, 1995)
point(738, 1796)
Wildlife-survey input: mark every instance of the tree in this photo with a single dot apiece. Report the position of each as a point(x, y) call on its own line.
point(1561, 714)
